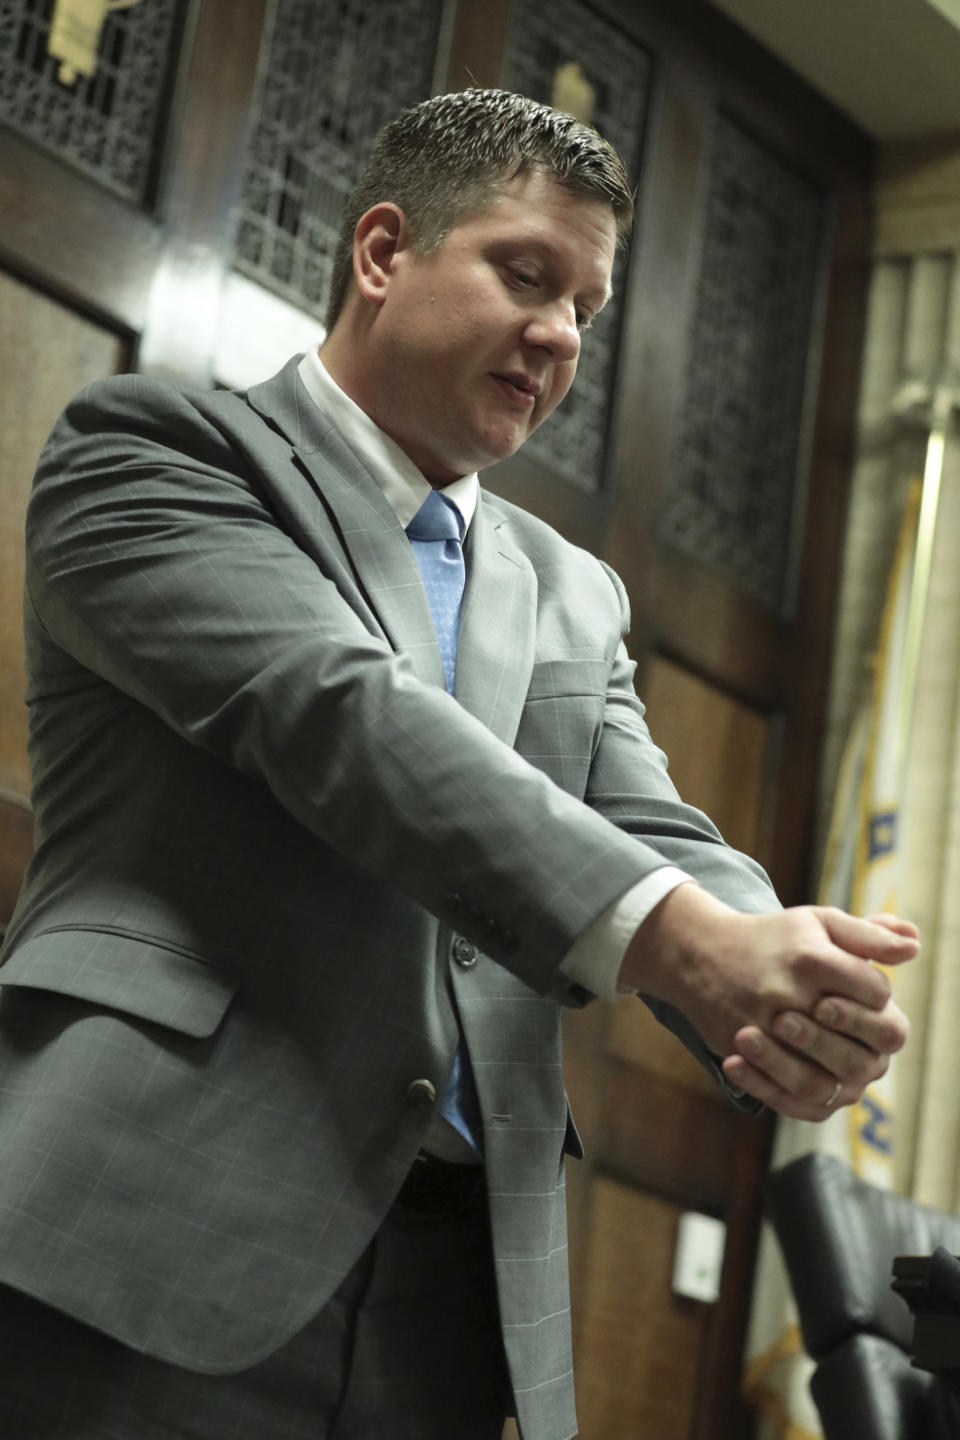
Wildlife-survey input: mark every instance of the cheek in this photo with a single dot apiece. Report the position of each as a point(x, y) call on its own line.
point(563, 377)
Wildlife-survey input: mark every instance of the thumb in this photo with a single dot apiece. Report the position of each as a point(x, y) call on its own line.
point(885, 938)
point(896, 924)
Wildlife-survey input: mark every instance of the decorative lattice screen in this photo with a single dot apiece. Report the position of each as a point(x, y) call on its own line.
point(730, 497)
point(110, 124)
point(559, 53)
point(331, 75)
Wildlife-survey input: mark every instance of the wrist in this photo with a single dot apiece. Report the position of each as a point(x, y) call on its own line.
point(669, 951)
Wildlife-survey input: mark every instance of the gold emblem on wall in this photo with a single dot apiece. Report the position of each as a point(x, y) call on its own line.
point(572, 92)
point(75, 34)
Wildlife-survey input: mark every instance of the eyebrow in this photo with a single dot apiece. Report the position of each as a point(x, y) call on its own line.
point(553, 251)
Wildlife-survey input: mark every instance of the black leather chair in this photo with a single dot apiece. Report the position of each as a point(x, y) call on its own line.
point(839, 1237)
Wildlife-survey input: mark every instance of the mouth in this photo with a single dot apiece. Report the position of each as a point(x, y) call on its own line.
point(522, 390)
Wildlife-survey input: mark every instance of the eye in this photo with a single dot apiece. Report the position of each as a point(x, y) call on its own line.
point(584, 320)
point(522, 277)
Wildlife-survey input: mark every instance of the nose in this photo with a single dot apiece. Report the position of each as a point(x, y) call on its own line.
point(554, 328)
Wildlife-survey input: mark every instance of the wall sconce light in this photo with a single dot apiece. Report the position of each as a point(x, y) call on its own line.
point(75, 34)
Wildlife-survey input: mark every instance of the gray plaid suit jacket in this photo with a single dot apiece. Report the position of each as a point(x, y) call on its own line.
point(261, 826)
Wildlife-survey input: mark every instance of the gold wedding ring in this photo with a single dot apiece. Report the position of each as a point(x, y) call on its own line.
point(833, 1098)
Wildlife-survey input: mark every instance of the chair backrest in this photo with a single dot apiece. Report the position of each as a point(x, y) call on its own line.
point(839, 1237)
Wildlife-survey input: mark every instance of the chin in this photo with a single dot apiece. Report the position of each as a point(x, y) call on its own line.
point(486, 449)
point(502, 447)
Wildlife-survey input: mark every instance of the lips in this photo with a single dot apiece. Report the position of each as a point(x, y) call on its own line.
point(519, 385)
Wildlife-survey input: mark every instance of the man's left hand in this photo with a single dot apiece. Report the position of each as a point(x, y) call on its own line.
point(797, 1065)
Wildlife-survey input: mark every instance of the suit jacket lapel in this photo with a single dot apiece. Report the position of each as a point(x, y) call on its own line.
point(497, 626)
point(371, 534)
point(498, 620)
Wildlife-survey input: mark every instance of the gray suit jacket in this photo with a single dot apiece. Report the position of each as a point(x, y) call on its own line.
point(262, 824)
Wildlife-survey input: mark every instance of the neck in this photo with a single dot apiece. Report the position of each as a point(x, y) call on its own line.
point(350, 362)
point(342, 364)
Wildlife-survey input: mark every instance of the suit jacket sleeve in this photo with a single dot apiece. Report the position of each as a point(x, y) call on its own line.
point(685, 837)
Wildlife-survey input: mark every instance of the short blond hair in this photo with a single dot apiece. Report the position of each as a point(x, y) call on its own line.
point(445, 157)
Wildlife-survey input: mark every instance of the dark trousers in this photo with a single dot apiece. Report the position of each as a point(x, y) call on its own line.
point(408, 1348)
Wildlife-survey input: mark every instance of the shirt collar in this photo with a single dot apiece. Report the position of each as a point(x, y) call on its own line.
point(403, 486)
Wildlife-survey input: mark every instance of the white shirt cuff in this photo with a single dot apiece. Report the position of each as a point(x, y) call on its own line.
point(595, 957)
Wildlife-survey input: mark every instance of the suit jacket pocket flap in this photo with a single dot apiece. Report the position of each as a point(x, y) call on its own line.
point(134, 974)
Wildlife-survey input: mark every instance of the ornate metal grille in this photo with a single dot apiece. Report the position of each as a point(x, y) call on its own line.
point(333, 73)
point(612, 73)
point(730, 496)
point(107, 124)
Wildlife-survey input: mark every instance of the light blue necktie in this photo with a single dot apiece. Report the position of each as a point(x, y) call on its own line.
point(435, 534)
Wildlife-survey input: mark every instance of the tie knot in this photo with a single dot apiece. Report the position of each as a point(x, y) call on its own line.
point(437, 519)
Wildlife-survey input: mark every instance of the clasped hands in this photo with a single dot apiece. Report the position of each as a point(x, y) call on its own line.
point(793, 1000)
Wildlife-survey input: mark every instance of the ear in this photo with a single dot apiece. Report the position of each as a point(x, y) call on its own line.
point(380, 239)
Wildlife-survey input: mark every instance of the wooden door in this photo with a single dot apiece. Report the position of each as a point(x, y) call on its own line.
point(174, 214)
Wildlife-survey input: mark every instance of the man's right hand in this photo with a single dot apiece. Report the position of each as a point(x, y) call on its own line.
point(790, 998)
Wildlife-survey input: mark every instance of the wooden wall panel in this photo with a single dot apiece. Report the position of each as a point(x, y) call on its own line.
point(638, 1358)
point(664, 1138)
point(636, 1038)
point(48, 352)
point(717, 747)
point(77, 239)
point(16, 845)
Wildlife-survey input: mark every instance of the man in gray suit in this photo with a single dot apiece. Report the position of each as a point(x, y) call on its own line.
point(281, 1108)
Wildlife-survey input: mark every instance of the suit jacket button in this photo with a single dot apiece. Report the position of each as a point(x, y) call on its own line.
point(454, 903)
point(464, 953)
point(422, 1093)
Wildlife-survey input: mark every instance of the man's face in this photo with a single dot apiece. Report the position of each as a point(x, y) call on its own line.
point(480, 337)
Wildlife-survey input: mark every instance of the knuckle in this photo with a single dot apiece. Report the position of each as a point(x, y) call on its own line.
point(805, 967)
point(809, 1087)
point(793, 1029)
point(832, 1013)
point(889, 1034)
point(891, 1040)
point(863, 1070)
point(812, 1040)
point(807, 953)
point(882, 983)
point(901, 1033)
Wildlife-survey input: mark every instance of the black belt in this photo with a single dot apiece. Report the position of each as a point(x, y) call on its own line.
point(441, 1187)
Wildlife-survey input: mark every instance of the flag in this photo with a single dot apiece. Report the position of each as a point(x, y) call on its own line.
point(861, 873)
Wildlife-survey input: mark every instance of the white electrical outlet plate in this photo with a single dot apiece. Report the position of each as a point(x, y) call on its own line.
point(699, 1259)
